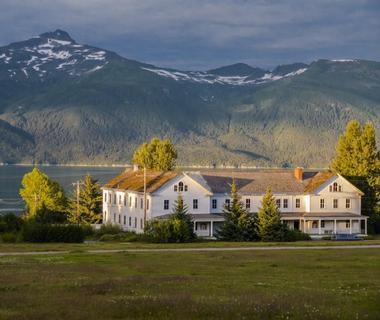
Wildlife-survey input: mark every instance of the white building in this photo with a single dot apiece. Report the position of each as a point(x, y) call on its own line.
point(318, 203)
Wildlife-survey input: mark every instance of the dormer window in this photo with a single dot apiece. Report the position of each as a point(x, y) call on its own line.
point(185, 188)
point(175, 188)
point(180, 186)
point(335, 187)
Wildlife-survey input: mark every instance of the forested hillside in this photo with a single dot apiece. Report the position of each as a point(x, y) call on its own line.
point(63, 102)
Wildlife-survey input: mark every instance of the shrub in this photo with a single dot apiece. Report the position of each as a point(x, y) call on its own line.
point(107, 229)
point(45, 215)
point(296, 235)
point(36, 232)
point(167, 231)
point(124, 236)
point(10, 222)
point(9, 237)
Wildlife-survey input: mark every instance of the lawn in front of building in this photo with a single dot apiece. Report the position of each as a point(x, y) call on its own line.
point(315, 284)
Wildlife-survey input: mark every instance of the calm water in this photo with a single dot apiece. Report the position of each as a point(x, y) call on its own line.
point(10, 181)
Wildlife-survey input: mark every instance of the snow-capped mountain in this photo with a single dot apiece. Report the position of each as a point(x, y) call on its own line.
point(50, 53)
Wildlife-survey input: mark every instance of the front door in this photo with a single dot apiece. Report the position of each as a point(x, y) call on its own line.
point(296, 225)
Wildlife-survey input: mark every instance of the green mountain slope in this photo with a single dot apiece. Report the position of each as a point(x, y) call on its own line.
point(80, 104)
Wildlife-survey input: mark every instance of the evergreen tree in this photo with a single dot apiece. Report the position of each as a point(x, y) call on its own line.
point(90, 203)
point(238, 225)
point(269, 226)
point(156, 155)
point(182, 223)
point(38, 192)
point(358, 159)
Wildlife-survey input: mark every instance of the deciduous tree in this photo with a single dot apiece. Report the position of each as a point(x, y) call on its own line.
point(39, 191)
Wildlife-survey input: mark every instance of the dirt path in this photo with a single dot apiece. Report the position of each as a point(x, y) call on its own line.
point(272, 248)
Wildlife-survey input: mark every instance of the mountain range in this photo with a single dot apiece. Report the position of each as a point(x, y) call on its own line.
point(64, 102)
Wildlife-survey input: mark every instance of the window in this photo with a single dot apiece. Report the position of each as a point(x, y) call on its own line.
point(340, 188)
point(135, 202)
point(110, 198)
point(147, 204)
point(335, 203)
point(141, 203)
point(314, 224)
point(335, 187)
point(285, 204)
point(322, 223)
point(125, 200)
point(278, 203)
point(248, 203)
point(214, 203)
point(166, 204)
point(130, 221)
point(125, 220)
point(114, 198)
point(195, 203)
point(141, 224)
point(322, 203)
point(114, 217)
point(105, 197)
point(135, 222)
point(119, 218)
point(130, 201)
point(228, 203)
point(347, 223)
point(348, 203)
point(175, 188)
point(119, 198)
point(298, 203)
point(180, 186)
point(185, 188)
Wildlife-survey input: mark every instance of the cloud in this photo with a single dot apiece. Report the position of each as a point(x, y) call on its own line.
point(206, 33)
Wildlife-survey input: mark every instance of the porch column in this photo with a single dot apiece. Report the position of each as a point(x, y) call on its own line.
point(195, 226)
point(334, 226)
point(212, 229)
point(365, 226)
point(319, 227)
point(350, 226)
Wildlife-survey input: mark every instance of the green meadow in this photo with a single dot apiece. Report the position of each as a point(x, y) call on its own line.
point(287, 284)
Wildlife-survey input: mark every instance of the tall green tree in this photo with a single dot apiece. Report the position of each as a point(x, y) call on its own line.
point(89, 207)
point(182, 222)
point(156, 155)
point(38, 192)
point(269, 226)
point(238, 224)
point(358, 159)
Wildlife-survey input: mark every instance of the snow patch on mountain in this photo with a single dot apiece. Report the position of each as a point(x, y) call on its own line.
point(209, 78)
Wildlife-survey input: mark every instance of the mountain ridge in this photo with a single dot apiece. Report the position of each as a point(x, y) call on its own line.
point(100, 107)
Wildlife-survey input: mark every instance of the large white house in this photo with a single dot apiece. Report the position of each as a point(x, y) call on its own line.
point(318, 203)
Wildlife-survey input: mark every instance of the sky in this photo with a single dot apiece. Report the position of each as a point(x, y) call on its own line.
point(204, 34)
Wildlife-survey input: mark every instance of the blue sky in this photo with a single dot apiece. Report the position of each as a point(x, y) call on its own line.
point(202, 34)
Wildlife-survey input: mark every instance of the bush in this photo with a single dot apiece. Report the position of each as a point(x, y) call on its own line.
point(10, 222)
point(107, 229)
point(9, 237)
point(167, 231)
point(45, 215)
point(296, 235)
point(124, 236)
point(36, 232)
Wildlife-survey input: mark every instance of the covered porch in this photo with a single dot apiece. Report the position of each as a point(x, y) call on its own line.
point(207, 225)
point(324, 224)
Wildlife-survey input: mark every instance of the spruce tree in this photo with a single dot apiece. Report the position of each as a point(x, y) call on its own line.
point(182, 222)
point(238, 224)
point(90, 203)
point(269, 226)
point(358, 159)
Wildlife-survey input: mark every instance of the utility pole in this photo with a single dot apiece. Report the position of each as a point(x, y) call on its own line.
point(144, 195)
point(77, 184)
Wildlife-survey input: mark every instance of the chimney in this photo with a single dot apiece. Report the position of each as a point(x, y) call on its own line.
point(298, 173)
point(135, 167)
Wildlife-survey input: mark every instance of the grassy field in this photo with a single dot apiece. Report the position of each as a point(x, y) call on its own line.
point(22, 247)
point(209, 285)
